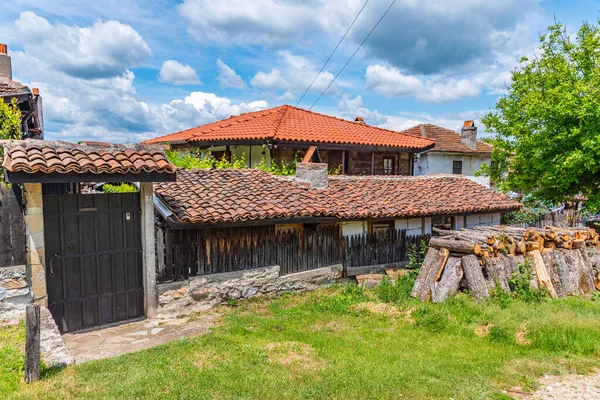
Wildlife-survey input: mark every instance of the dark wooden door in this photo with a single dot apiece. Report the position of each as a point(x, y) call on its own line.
point(93, 259)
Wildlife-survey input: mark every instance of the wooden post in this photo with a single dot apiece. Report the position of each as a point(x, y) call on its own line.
point(372, 163)
point(32, 343)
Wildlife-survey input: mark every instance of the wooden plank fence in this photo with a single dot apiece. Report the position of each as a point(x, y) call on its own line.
point(194, 252)
point(385, 247)
point(12, 229)
point(564, 218)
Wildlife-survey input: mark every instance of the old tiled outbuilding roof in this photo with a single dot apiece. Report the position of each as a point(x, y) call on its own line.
point(215, 196)
point(291, 124)
point(39, 156)
point(8, 87)
point(446, 140)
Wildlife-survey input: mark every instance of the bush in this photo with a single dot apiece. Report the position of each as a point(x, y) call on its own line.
point(416, 255)
point(119, 188)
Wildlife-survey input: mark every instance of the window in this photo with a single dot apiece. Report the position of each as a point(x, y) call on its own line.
point(443, 222)
point(382, 226)
point(388, 166)
point(457, 167)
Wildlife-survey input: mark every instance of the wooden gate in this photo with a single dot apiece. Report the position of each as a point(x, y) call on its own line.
point(93, 259)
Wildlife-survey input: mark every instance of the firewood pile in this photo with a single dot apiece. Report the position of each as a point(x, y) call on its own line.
point(563, 261)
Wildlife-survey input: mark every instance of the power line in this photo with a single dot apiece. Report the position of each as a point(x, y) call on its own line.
point(332, 53)
point(353, 54)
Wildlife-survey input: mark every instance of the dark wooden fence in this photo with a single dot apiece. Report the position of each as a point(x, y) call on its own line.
point(194, 252)
point(12, 229)
point(385, 247)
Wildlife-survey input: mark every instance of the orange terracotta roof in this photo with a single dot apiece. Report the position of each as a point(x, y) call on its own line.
point(232, 195)
point(39, 156)
point(291, 124)
point(446, 139)
point(8, 87)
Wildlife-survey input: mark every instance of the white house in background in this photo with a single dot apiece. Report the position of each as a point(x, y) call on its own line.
point(454, 153)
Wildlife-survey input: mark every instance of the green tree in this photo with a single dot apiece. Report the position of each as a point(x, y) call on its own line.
point(547, 141)
point(10, 120)
point(10, 126)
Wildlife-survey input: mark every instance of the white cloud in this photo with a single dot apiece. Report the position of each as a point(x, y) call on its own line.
point(271, 22)
point(352, 108)
point(176, 73)
point(294, 76)
point(421, 37)
point(105, 49)
point(228, 78)
point(200, 108)
point(390, 82)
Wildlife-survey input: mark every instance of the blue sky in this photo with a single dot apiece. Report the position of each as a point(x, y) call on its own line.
point(125, 71)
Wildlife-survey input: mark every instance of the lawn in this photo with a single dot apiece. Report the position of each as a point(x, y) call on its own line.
point(340, 343)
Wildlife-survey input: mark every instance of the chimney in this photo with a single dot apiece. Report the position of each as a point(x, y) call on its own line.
point(314, 174)
point(468, 135)
point(360, 120)
point(5, 67)
point(35, 91)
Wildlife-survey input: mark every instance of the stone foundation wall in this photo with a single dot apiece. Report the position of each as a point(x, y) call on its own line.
point(203, 292)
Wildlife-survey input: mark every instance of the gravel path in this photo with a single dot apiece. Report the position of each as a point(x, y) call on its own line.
point(573, 387)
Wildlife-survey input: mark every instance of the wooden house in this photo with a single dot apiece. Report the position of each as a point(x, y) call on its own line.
point(215, 221)
point(283, 134)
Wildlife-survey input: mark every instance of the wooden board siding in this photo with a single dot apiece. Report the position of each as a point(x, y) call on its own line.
point(187, 253)
point(12, 229)
point(197, 252)
point(359, 162)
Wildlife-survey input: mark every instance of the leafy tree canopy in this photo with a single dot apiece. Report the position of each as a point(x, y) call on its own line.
point(10, 120)
point(10, 126)
point(547, 141)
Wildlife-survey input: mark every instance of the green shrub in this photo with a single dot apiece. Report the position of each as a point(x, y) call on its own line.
point(119, 188)
point(416, 255)
point(520, 287)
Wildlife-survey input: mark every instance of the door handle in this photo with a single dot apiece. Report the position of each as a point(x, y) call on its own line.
point(51, 273)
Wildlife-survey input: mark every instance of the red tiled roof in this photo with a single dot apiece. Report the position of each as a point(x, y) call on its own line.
point(230, 195)
point(9, 87)
point(291, 124)
point(38, 156)
point(447, 139)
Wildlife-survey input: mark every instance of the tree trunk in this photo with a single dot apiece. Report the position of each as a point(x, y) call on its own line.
point(475, 280)
point(586, 272)
point(541, 272)
point(568, 272)
point(456, 246)
point(550, 263)
point(431, 269)
point(496, 273)
point(447, 286)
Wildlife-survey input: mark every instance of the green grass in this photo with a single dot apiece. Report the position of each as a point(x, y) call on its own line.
point(324, 344)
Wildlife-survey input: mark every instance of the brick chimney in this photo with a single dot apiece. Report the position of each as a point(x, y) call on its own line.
point(468, 135)
point(312, 171)
point(314, 174)
point(5, 66)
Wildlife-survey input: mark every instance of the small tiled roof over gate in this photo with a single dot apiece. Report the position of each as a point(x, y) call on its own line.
point(234, 195)
point(43, 157)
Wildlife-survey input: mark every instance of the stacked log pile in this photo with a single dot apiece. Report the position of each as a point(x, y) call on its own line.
point(563, 261)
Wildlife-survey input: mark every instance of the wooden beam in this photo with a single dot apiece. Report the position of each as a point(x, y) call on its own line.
point(32, 343)
point(297, 145)
point(372, 163)
point(73, 177)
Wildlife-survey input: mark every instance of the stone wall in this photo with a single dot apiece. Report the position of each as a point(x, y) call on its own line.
point(203, 292)
point(34, 231)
